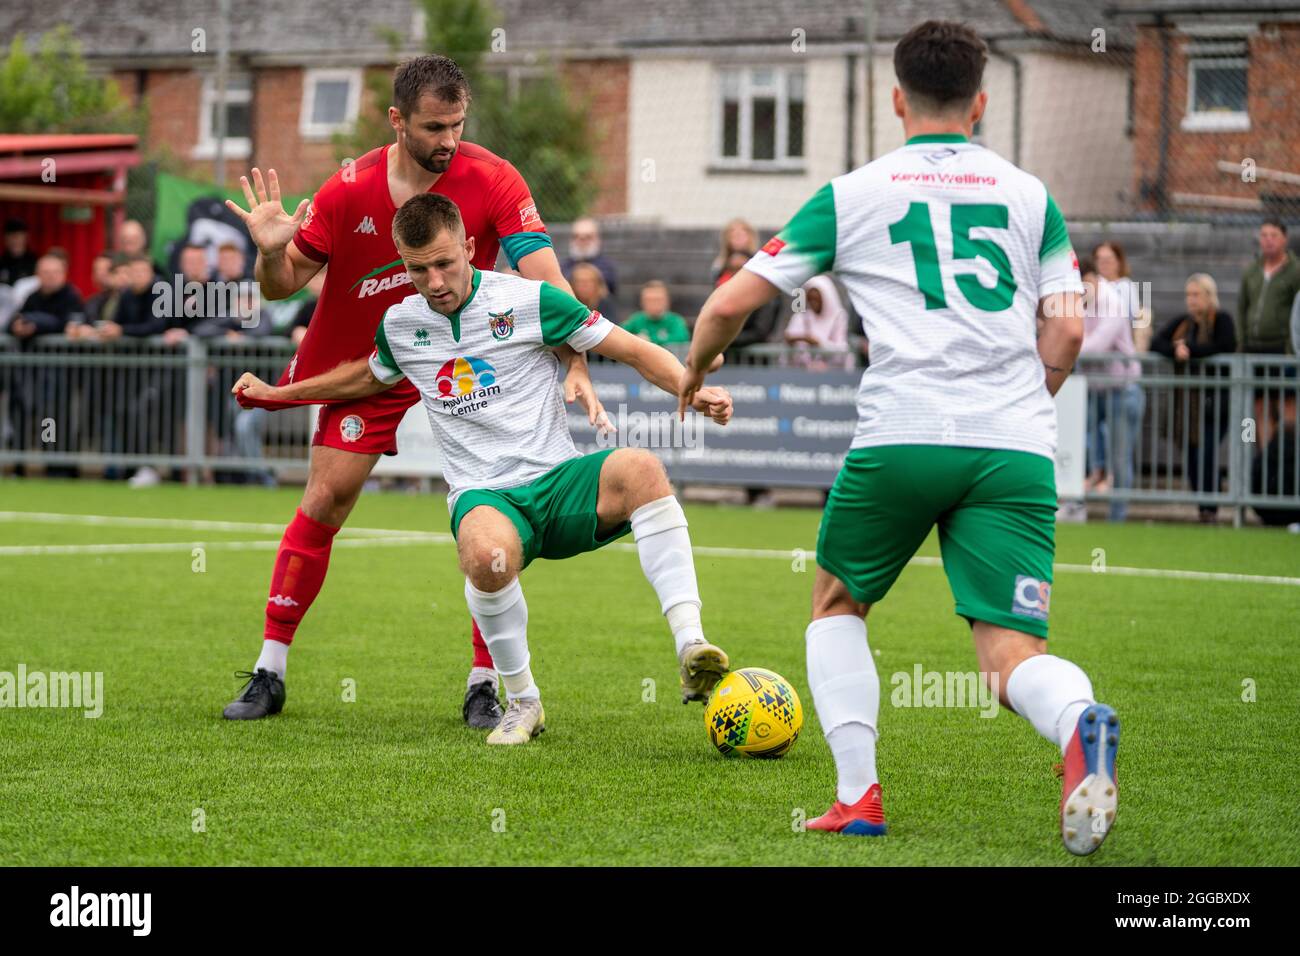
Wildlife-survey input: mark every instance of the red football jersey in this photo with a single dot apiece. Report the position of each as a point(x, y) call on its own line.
point(350, 226)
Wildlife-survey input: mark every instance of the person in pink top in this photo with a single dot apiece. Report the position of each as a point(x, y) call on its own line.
point(1115, 405)
point(822, 324)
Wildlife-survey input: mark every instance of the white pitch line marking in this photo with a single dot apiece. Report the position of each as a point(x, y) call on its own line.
point(163, 547)
point(380, 537)
point(185, 524)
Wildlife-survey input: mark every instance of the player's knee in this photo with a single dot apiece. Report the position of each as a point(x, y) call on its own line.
point(329, 501)
point(488, 564)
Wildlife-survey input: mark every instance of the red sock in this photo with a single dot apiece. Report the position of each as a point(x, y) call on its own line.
point(300, 567)
point(481, 656)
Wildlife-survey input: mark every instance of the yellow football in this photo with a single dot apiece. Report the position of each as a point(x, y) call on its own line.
point(753, 711)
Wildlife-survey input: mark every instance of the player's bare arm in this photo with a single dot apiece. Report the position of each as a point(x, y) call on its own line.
point(578, 387)
point(1061, 319)
point(660, 367)
point(543, 265)
point(721, 318)
point(281, 268)
point(348, 381)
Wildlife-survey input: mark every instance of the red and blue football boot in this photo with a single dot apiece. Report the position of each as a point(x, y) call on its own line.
point(1090, 789)
point(864, 818)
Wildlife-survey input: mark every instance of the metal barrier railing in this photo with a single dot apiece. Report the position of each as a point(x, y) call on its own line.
point(1215, 431)
point(136, 402)
point(1220, 431)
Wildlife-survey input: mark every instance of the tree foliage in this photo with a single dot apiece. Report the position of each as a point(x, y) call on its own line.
point(51, 90)
point(537, 126)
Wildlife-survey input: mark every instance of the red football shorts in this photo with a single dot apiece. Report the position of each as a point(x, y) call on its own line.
point(367, 426)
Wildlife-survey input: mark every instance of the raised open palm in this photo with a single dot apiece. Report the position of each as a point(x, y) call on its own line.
point(268, 223)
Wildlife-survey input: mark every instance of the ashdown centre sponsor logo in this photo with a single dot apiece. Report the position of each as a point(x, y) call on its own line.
point(465, 383)
point(372, 284)
point(75, 690)
point(75, 908)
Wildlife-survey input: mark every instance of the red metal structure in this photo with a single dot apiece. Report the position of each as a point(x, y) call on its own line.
point(69, 189)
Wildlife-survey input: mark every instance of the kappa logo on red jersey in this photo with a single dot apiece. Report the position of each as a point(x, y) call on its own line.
point(774, 245)
point(366, 227)
point(528, 215)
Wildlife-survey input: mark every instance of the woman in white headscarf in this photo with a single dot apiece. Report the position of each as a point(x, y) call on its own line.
point(822, 324)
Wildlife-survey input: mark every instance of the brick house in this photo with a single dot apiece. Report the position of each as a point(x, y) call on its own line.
point(1217, 118)
point(700, 110)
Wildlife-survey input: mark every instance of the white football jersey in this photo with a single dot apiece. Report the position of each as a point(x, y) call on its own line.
point(487, 375)
point(945, 249)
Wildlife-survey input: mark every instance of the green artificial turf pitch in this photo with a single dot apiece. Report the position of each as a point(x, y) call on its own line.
point(624, 774)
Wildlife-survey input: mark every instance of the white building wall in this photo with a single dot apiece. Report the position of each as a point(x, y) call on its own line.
point(1072, 136)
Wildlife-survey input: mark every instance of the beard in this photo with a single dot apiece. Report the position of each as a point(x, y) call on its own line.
point(430, 162)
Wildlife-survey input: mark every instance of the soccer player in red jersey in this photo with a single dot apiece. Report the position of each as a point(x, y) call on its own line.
point(349, 225)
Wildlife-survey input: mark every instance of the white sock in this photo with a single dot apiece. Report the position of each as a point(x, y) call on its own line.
point(503, 620)
point(521, 684)
point(1050, 692)
point(854, 748)
point(477, 675)
point(684, 620)
point(664, 546)
point(274, 657)
point(846, 693)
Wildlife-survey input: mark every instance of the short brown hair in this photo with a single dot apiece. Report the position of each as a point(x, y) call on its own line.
point(436, 75)
point(423, 217)
point(940, 65)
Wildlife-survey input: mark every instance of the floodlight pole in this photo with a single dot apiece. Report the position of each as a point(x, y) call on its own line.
point(223, 70)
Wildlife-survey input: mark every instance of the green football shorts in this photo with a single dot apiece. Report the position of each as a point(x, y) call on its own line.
point(554, 514)
point(996, 513)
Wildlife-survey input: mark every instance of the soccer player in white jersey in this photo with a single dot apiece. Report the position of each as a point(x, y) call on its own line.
point(478, 346)
point(953, 256)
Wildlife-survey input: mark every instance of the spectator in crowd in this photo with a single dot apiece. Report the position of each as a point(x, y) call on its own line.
point(1115, 406)
point(47, 310)
point(136, 313)
point(584, 246)
point(101, 306)
point(232, 263)
point(590, 289)
point(18, 260)
point(53, 305)
point(1203, 330)
point(822, 324)
point(738, 237)
point(130, 239)
point(1268, 293)
point(762, 325)
point(656, 321)
point(191, 310)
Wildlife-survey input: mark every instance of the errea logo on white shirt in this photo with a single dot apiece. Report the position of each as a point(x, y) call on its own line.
point(366, 227)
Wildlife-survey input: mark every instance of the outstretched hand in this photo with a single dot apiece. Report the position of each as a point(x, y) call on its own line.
point(269, 225)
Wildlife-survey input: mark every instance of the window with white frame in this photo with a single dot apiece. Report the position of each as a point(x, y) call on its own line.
point(1217, 86)
point(238, 105)
point(330, 100)
point(759, 118)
